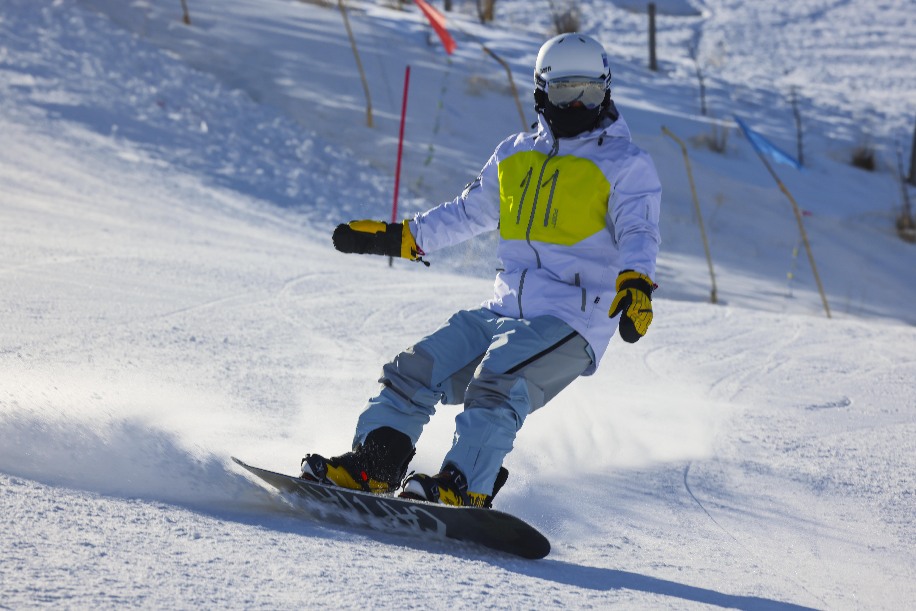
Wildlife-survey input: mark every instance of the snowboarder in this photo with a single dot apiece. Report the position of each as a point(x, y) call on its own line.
point(576, 204)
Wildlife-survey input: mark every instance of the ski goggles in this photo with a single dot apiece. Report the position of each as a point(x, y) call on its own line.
point(566, 92)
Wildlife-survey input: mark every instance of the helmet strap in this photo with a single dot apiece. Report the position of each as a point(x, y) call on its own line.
point(609, 109)
point(540, 100)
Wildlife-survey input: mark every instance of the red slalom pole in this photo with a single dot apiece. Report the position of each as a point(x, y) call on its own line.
point(397, 171)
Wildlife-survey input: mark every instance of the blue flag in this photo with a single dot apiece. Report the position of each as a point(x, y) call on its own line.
point(765, 147)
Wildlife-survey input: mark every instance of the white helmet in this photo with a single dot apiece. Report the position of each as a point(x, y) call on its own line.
point(571, 55)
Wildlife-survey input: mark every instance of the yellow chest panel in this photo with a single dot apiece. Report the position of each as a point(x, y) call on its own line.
point(556, 200)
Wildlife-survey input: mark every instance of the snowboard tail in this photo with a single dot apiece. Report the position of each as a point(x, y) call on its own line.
point(487, 527)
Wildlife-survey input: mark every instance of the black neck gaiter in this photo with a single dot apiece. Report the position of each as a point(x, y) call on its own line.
point(569, 122)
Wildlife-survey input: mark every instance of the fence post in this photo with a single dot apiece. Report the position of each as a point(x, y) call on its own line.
point(713, 298)
point(186, 16)
point(485, 10)
point(508, 70)
point(801, 228)
point(653, 64)
point(506, 67)
point(702, 81)
point(798, 127)
point(359, 64)
point(906, 228)
point(912, 178)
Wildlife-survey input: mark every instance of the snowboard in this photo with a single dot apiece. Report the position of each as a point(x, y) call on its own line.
point(489, 528)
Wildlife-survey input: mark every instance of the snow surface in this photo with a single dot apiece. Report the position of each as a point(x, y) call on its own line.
point(170, 298)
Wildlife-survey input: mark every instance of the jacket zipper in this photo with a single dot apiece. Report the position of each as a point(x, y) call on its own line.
point(554, 149)
point(521, 284)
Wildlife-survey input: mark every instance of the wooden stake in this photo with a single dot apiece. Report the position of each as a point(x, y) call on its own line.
point(653, 63)
point(801, 228)
point(696, 202)
point(359, 64)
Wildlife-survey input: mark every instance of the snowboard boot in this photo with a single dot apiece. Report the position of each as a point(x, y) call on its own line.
point(378, 465)
point(450, 487)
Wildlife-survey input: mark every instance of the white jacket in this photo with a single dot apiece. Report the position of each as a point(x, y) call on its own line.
point(571, 214)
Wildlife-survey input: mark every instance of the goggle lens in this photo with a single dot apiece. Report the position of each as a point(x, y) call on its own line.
point(564, 93)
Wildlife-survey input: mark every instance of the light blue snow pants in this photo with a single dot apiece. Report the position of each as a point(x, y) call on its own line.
point(502, 369)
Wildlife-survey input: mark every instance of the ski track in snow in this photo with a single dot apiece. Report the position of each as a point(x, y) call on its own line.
point(170, 299)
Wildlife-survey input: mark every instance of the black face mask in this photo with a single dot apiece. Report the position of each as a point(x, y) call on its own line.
point(569, 122)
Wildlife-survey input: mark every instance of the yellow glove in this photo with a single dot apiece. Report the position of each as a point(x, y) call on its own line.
point(377, 238)
point(634, 301)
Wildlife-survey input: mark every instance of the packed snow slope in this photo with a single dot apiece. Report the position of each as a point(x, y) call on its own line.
point(170, 298)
